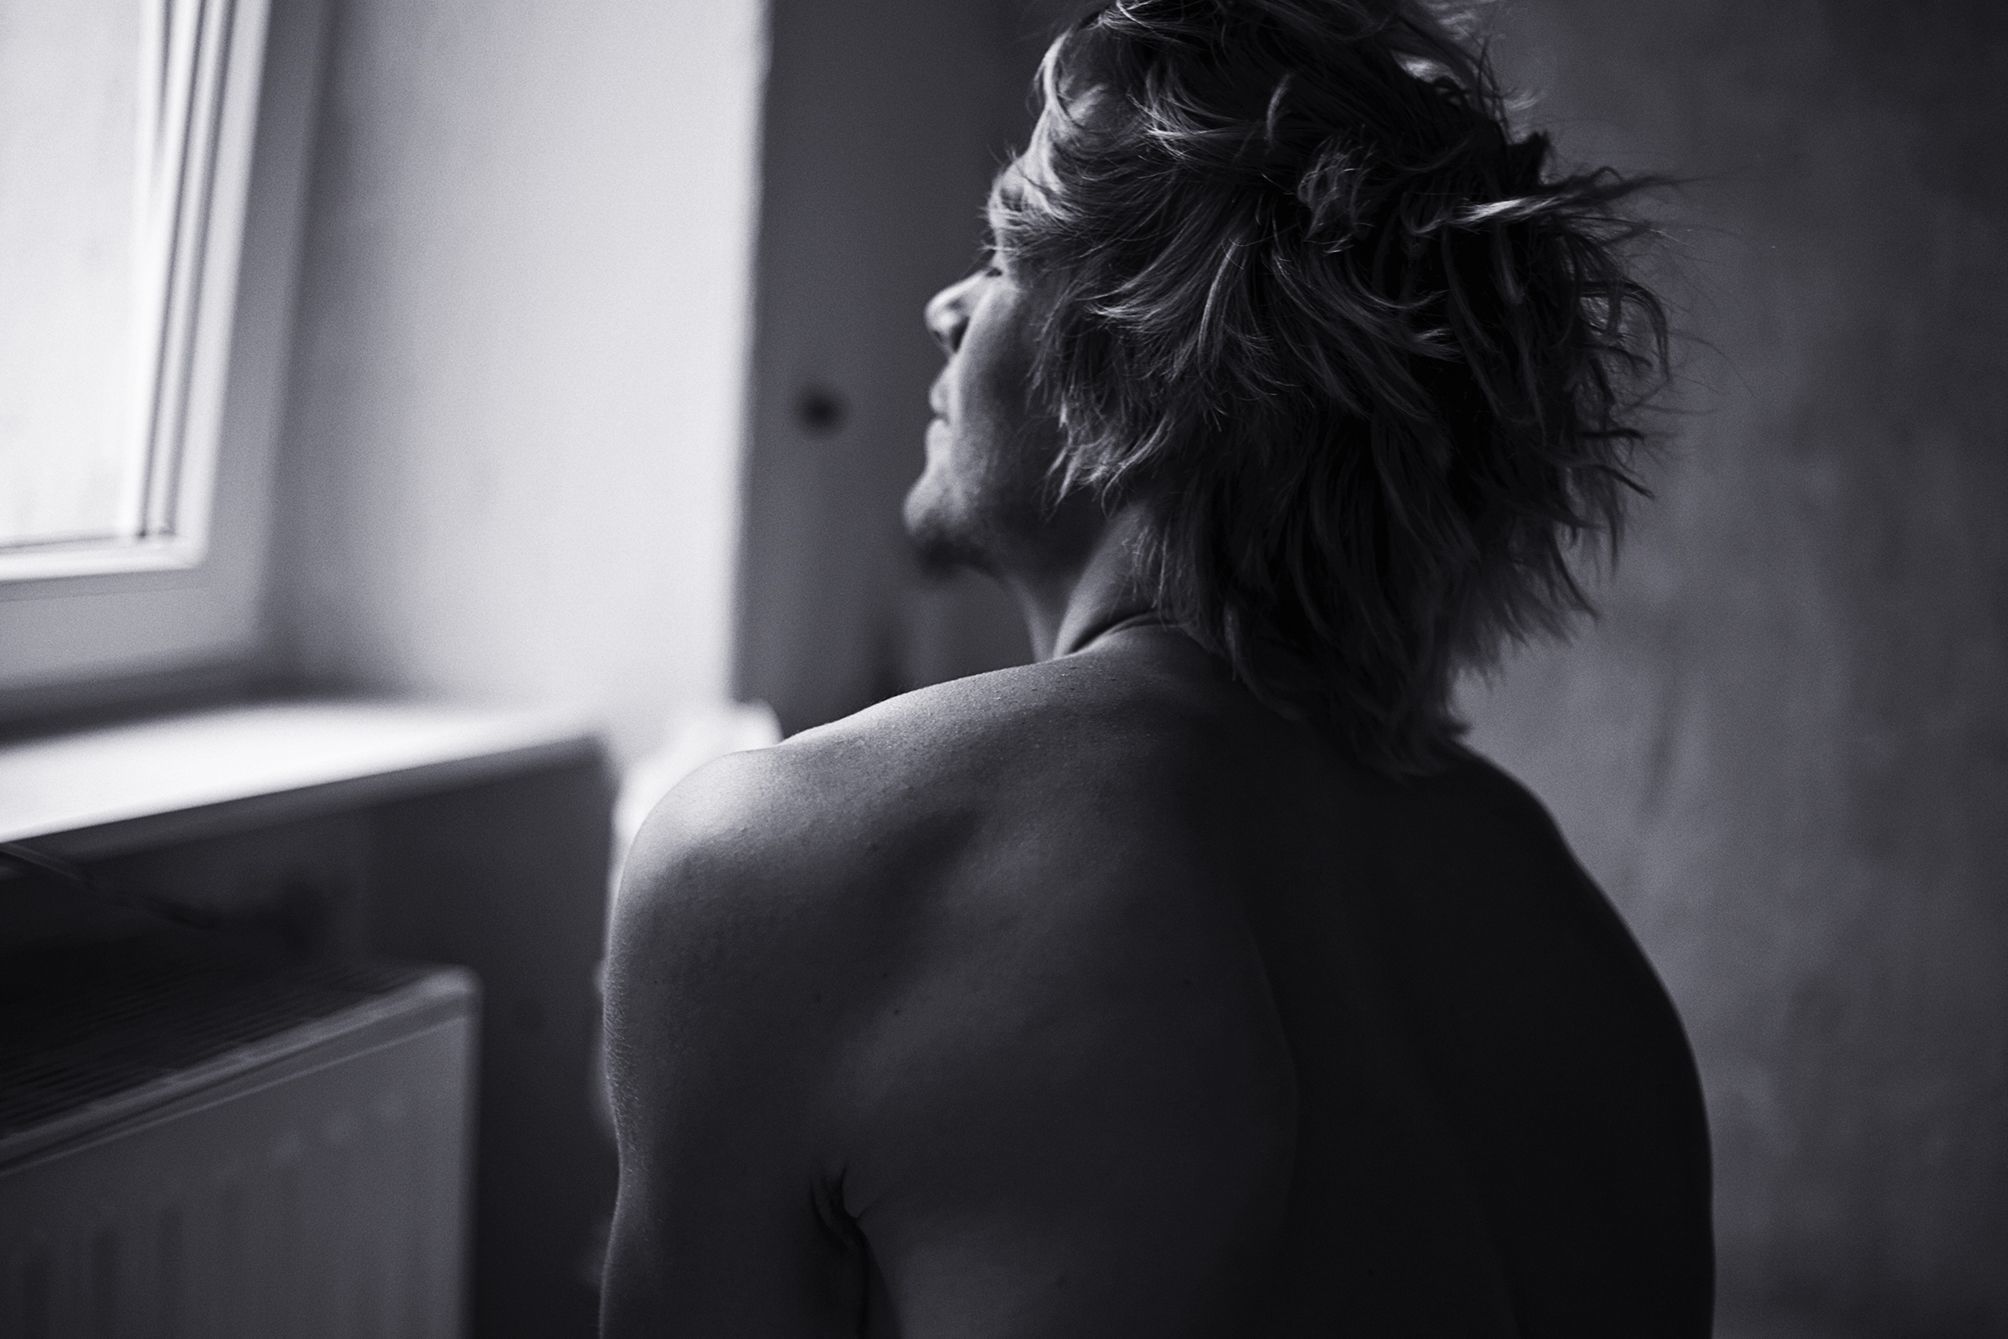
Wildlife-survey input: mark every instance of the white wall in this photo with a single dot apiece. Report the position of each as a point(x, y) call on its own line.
point(514, 430)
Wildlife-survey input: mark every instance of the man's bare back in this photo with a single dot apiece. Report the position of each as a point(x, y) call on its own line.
point(1094, 998)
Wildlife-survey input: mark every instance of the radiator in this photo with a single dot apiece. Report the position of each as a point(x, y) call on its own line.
point(211, 1144)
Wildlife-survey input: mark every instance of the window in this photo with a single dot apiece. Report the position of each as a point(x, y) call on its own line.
point(125, 128)
point(140, 563)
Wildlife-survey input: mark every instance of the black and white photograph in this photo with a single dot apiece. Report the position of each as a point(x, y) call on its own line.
point(1003, 669)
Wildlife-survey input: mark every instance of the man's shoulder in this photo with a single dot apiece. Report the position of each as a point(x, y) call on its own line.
point(826, 883)
point(876, 796)
point(908, 760)
point(1000, 720)
point(898, 839)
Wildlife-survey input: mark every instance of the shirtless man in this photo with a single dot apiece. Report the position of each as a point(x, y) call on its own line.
point(1193, 980)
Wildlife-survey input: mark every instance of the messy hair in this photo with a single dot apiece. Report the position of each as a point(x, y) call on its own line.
point(1372, 363)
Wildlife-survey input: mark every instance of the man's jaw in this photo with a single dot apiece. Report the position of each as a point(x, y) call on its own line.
point(940, 539)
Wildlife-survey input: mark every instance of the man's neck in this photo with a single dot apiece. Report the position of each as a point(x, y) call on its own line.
point(1067, 610)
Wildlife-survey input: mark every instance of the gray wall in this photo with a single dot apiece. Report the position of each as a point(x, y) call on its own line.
point(1784, 749)
point(511, 458)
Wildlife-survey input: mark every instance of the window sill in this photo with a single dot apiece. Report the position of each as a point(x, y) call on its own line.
point(59, 562)
point(103, 791)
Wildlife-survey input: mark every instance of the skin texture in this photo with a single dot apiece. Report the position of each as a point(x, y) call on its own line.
point(1092, 997)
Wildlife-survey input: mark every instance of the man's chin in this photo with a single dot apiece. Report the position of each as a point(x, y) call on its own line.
point(942, 546)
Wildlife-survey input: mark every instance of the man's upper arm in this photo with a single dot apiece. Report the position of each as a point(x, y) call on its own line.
point(716, 1057)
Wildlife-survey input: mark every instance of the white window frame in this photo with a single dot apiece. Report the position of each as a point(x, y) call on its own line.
point(187, 609)
point(201, 126)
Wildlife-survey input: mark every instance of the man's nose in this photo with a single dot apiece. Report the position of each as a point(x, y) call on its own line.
point(948, 313)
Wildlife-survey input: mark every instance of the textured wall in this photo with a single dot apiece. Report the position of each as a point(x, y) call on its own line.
point(513, 437)
point(1784, 750)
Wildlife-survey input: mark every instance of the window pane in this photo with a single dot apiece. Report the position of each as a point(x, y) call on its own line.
point(72, 223)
